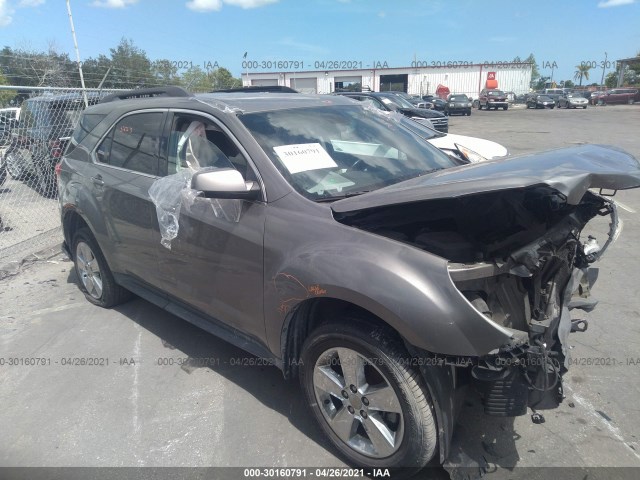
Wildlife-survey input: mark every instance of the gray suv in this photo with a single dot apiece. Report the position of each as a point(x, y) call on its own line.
point(334, 241)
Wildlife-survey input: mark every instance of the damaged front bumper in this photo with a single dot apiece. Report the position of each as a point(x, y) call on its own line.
point(531, 294)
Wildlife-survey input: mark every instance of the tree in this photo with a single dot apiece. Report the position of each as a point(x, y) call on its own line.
point(582, 70)
point(569, 84)
point(165, 72)
point(28, 67)
point(6, 96)
point(94, 70)
point(196, 79)
point(130, 66)
point(222, 78)
point(535, 73)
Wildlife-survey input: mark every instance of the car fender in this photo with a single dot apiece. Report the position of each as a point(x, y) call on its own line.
point(406, 287)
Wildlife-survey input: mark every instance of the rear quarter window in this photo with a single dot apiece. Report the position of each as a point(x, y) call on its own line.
point(87, 123)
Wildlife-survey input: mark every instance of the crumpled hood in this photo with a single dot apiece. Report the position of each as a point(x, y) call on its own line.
point(570, 171)
point(486, 148)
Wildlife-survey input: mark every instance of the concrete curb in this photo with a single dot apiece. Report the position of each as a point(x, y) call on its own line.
point(11, 269)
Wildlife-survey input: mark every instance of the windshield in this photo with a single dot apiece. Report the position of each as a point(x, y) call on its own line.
point(397, 101)
point(544, 98)
point(327, 153)
point(458, 98)
point(496, 93)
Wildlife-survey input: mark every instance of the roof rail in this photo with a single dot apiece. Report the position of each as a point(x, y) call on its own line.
point(258, 88)
point(170, 91)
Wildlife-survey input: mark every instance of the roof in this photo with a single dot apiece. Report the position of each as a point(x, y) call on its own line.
point(230, 102)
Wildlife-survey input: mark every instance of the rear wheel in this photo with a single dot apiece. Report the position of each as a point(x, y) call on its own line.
point(369, 401)
point(630, 101)
point(94, 275)
point(15, 164)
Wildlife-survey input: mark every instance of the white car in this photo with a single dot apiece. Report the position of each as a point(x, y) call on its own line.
point(471, 149)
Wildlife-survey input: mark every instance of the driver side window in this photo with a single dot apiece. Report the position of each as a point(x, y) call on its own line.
point(195, 142)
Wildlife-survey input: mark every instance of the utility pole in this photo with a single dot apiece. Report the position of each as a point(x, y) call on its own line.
point(603, 67)
point(75, 43)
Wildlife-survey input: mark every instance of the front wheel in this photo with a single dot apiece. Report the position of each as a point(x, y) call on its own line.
point(504, 108)
point(373, 406)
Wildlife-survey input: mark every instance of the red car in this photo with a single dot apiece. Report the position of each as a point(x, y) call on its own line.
point(618, 95)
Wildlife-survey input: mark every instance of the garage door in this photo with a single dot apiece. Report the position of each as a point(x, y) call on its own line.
point(305, 85)
point(264, 82)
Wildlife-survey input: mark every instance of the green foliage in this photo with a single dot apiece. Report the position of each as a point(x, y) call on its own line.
point(535, 73)
point(569, 84)
point(582, 71)
point(611, 80)
point(6, 96)
point(126, 66)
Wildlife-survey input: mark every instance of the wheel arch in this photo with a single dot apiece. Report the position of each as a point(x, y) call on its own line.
point(442, 383)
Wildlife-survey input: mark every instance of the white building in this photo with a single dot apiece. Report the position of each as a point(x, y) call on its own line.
point(468, 79)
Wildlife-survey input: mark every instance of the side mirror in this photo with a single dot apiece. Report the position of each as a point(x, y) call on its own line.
point(224, 183)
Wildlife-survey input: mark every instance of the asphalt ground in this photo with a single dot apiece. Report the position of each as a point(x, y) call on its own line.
point(172, 395)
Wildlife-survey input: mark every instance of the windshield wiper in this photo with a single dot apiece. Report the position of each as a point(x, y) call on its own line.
point(340, 197)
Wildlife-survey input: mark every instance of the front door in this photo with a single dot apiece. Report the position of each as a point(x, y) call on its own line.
point(215, 263)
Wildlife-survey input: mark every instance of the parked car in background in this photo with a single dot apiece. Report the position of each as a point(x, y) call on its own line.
point(457, 103)
point(595, 96)
point(619, 95)
point(540, 101)
point(461, 147)
point(492, 98)
point(438, 104)
point(408, 277)
point(414, 100)
point(40, 137)
point(572, 100)
point(9, 118)
point(394, 103)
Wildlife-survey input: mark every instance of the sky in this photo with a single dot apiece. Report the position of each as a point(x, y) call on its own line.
point(561, 33)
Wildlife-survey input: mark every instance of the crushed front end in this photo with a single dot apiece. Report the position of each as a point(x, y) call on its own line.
point(531, 290)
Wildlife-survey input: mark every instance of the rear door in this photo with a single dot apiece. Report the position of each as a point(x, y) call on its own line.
point(126, 165)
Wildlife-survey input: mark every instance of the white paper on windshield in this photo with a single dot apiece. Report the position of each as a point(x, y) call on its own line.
point(303, 157)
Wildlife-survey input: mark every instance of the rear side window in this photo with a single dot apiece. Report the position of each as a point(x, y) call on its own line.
point(85, 126)
point(134, 143)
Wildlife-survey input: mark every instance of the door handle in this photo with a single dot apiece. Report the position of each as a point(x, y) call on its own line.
point(97, 181)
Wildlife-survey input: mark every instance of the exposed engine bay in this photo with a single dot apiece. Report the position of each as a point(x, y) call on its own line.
point(518, 258)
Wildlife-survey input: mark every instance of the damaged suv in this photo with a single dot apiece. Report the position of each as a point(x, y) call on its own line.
point(339, 244)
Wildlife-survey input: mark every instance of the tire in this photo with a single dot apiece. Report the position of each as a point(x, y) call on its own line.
point(3, 175)
point(584, 108)
point(630, 102)
point(15, 164)
point(382, 362)
point(479, 106)
point(505, 108)
point(45, 182)
point(95, 279)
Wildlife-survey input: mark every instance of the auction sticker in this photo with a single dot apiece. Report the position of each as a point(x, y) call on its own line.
point(303, 157)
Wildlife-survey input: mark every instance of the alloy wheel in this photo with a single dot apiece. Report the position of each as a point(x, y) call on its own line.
point(89, 270)
point(358, 402)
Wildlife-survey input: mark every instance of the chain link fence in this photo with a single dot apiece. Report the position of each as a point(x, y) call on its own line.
point(32, 141)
